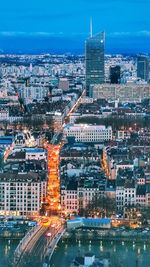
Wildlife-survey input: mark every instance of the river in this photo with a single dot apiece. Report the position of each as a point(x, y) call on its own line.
point(122, 254)
point(6, 252)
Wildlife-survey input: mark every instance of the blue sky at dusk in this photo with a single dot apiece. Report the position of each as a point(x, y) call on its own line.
point(64, 24)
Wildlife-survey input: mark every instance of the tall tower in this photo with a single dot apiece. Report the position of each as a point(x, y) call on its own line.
point(115, 74)
point(143, 67)
point(94, 59)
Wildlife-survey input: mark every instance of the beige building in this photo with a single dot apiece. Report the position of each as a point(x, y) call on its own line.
point(21, 193)
point(121, 92)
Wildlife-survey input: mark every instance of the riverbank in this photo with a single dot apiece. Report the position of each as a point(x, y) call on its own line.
point(138, 235)
point(13, 228)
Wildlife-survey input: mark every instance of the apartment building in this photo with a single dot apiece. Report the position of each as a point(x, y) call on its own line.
point(35, 154)
point(125, 194)
point(78, 195)
point(22, 193)
point(69, 198)
point(4, 114)
point(121, 92)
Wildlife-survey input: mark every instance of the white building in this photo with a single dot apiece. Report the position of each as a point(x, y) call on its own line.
point(120, 196)
point(35, 154)
point(88, 133)
point(76, 198)
point(125, 194)
point(86, 100)
point(87, 195)
point(37, 92)
point(21, 194)
point(69, 199)
point(4, 114)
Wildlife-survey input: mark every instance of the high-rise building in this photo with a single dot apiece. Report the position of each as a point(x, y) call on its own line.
point(115, 74)
point(94, 59)
point(143, 67)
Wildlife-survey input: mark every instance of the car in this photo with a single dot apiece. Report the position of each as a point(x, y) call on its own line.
point(48, 234)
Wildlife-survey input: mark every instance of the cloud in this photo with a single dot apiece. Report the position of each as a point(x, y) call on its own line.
point(29, 34)
point(123, 34)
point(144, 33)
point(127, 34)
point(40, 34)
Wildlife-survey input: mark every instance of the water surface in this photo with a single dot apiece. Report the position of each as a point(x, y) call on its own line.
point(6, 252)
point(122, 254)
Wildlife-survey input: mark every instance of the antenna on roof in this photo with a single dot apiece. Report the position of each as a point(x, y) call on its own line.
point(91, 27)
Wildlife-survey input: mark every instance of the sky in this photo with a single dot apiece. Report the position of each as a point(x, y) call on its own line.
point(63, 25)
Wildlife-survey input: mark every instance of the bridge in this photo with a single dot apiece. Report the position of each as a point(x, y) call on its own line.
point(26, 244)
point(38, 245)
point(52, 245)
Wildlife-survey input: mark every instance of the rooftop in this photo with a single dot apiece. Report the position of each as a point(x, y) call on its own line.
point(22, 177)
point(85, 126)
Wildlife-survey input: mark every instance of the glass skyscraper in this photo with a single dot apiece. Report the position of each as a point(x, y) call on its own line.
point(94, 59)
point(143, 67)
point(115, 74)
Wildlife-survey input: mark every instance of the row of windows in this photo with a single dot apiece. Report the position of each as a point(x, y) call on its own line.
point(129, 195)
point(69, 202)
point(88, 135)
point(70, 197)
point(17, 184)
point(71, 208)
point(89, 131)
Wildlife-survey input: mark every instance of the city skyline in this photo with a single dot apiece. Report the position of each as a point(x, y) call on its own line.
point(36, 26)
point(75, 133)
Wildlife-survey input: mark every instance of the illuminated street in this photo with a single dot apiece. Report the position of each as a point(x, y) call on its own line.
point(53, 188)
point(73, 109)
point(105, 166)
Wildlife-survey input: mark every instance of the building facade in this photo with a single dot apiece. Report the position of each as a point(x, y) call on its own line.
point(88, 133)
point(21, 194)
point(115, 74)
point(121, 92)
point(94, 59)
point(143, 67)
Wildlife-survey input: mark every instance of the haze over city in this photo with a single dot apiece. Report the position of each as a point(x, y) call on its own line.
point(62, 26)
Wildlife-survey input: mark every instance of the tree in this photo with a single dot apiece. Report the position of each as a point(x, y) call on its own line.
point(37, 123)
point(145, 215)
point(49, 122)
point(117, 122)
point(100, 205)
